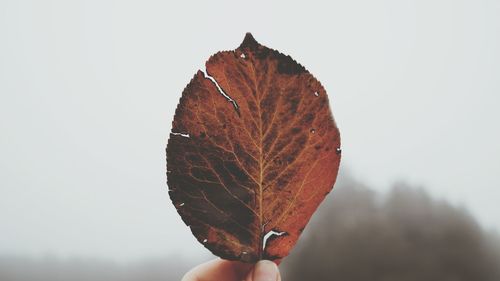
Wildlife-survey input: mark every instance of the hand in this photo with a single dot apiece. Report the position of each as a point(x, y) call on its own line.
point(223, 270)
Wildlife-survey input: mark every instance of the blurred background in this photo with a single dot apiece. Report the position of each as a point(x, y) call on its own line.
point(88, 91)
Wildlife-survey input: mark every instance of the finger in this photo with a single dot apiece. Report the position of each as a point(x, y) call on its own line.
point(218, 270)
point(264, 271)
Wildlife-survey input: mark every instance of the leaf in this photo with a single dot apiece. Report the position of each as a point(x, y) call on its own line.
point(253, 151)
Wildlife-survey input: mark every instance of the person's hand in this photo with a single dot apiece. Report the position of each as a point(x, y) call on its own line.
point(223, 270)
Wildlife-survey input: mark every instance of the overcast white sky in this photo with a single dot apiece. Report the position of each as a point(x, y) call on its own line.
point(88, 90)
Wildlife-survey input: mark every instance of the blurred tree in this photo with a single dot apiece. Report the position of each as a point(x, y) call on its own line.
point(404, 236)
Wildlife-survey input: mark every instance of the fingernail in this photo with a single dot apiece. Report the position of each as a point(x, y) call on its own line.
point(265, 271)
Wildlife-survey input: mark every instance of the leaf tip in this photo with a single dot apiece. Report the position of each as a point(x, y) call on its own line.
point(249, 41)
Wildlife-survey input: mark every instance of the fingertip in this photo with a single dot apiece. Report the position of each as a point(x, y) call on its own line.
point(218, 269)
point(265, 270)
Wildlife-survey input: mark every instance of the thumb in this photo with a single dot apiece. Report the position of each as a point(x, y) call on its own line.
point(264, 270)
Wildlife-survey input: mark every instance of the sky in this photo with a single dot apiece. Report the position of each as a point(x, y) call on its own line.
point(88, 91)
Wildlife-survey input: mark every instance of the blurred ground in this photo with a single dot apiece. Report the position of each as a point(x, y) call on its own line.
point(357, 234)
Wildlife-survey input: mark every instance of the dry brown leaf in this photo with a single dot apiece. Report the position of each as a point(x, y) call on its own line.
point(254, 150)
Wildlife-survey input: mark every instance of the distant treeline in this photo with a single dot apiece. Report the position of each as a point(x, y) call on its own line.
point(356, 235)
point(405, 235)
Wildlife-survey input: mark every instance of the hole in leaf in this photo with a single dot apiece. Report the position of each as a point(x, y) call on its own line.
point(312, 131)
point(185, 135)
point(242, 56)
point(316, 94)
point(205, 240)
point(181, 204)
point(244, 256)
point(338, 150)
point(268, 235)
point(231, 100)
